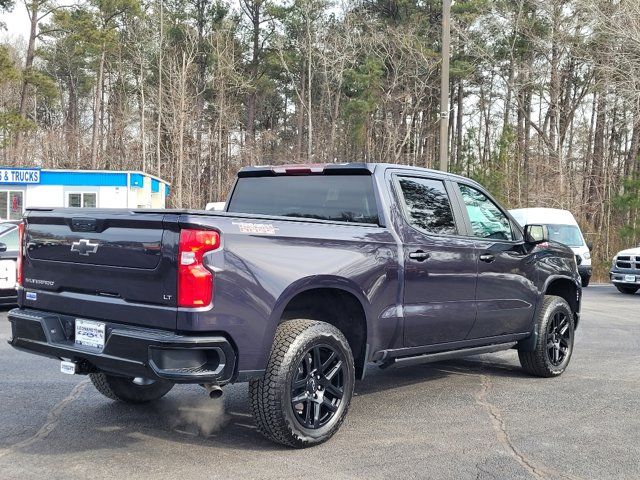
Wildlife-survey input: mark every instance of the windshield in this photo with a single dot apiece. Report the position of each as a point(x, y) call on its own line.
point(568, 234)
point(5, 227)
point(9, 236)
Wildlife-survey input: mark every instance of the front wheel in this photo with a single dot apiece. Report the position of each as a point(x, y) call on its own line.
point(130, 390)
point(627, 290)
point(585, 281)
point(304, 395)
point(554, 341)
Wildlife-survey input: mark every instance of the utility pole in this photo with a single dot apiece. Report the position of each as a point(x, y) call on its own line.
point(444, 86)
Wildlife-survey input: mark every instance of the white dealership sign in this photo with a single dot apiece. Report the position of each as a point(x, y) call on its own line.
point(19, 175)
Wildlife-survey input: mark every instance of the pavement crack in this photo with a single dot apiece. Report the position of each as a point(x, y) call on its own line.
point(51, 422)
point(499, 426)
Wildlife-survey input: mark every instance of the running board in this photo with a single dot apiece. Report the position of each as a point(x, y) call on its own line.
point(448, 355)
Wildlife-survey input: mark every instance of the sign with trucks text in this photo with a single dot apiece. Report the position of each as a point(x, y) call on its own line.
point(19, 175)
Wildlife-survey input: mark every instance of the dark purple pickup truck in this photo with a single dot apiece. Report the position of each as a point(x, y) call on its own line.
point(311, 273)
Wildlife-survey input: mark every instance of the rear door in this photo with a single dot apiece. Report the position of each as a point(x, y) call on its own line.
point(506, 294)
point(114, 265)
point(439, 264)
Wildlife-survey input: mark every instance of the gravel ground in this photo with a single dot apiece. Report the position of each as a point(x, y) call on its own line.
point(479, 417)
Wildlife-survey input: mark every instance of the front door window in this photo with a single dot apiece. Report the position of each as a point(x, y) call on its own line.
point(487, 220)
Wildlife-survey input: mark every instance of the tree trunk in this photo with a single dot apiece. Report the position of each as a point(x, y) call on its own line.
point(597, 164)
point(160, 99)
point(97, 111)
point(33, 11)
point(255, 10)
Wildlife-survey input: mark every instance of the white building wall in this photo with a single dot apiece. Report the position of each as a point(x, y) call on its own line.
point(55, 196)
point(44, 196)
point(112, 197)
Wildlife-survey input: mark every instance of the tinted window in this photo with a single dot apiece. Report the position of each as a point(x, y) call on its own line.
point(427, 205)
point(346, 198)
point(487, 220)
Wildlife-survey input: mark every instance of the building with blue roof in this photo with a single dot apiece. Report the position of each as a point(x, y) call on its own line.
point(22, 188)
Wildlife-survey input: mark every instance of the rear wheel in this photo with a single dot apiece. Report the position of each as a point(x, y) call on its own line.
point(554, 341)
point(627, 290)
point(585, 280)
point(130, 390)
point(304, 395)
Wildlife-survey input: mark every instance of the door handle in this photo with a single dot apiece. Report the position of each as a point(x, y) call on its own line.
point(487, 257)
point(419, 255)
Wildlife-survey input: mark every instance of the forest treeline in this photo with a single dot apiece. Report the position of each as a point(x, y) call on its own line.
point(545, 94)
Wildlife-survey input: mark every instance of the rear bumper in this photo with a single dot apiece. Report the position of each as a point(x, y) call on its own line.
point(128, 351)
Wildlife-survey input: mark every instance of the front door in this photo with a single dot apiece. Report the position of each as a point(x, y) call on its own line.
point(506, 294)
point(440, 266)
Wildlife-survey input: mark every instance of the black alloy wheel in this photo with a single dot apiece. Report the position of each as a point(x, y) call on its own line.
point(304, 394)
point(317, 387)
point(547, 352)
point(559, 338)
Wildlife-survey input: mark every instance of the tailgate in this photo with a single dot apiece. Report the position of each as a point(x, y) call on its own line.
point(114, 265)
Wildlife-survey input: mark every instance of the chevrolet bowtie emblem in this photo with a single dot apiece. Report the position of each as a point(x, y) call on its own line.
point(84, 247)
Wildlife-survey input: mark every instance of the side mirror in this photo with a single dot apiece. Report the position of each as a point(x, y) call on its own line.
point(590, 245)
point(3, 247)
point(535, 234)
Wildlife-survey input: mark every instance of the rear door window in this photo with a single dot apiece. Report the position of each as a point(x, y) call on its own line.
point(344, 198)
point(427, 205)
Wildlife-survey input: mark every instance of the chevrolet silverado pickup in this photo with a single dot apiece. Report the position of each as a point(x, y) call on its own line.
point(310, 273)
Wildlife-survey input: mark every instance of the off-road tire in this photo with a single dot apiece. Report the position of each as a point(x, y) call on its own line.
point(537, 362)
point(270, 396)
point(584, 281)
point(627, 290)
point(125, 390)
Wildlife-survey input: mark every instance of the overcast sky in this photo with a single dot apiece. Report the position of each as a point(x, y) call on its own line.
point(17, 22)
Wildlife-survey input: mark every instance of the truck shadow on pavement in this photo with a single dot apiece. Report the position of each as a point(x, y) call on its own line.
point(191, 418)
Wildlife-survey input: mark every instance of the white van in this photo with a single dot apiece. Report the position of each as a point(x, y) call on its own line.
point(563, 228)
point(216, 206)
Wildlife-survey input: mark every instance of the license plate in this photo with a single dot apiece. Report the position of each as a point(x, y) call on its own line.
point(630, 278)
point(68, 367)
point(89, 333)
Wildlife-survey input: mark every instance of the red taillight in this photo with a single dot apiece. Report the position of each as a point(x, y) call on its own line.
point(19, 262)
point(195, 282)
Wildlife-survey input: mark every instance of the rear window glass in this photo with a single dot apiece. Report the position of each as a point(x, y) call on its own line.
point(344, 198)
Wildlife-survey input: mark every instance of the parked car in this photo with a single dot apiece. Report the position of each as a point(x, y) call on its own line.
point(8, 256)
point(625, 271)
point(562, 228)
point(310, 273)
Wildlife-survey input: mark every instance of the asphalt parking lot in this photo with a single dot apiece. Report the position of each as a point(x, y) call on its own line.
point(474, 418)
